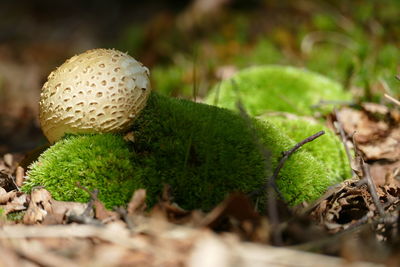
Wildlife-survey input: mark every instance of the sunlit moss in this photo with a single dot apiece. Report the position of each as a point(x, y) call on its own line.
point(276, 88)
point(102, 162)
point(327, 149)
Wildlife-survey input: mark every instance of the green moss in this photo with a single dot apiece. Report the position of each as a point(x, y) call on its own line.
point(327, 149)
point(16, 216)
point(202, 151)
point(170, 80)
point(276, 88)
point(102, 162)
point(205, 152)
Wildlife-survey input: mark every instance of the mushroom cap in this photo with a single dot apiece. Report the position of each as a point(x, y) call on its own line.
point(98, 91)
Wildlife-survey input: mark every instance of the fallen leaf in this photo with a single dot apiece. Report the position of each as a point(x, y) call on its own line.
point(358, 121)
point(39, 206)
point(236, 214)
point(18, 203)
point(103, 214)
point(6, 196)
point(170, 211)
point(137, 204)
point(387, 147)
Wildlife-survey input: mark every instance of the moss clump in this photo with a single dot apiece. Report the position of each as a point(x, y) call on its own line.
point(327, 149)
point(101, 161)
point(202, 151)
point(276, 88)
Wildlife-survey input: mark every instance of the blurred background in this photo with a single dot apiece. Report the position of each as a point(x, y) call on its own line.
point(189, 45)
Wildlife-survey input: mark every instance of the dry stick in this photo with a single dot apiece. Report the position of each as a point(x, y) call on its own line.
point(339, 127)
point(93, 198)
point(287, 154)
point(394, 100)
point(271, 187)
point(85, 217)
point(371, 187)
point(367, 179)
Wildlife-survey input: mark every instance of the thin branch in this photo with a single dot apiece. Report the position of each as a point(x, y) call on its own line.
point(272, 189)
point(339, 127)
point(270, 185)
point(300, 144)
point(93, 198)
point(367, 179)
point(372, 188)
point(392, 99)
point(286, 155)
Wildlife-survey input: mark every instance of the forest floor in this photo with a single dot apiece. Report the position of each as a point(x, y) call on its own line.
point(354, 223)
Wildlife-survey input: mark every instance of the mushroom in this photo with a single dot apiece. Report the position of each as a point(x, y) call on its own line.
point(98, 91)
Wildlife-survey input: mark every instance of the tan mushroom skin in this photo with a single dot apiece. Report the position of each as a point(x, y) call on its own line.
point(98, 91)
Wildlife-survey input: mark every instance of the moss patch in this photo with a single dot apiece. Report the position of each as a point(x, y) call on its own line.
point(203, 152)
point(327, 149)
point(101, 161)
point(276, 88)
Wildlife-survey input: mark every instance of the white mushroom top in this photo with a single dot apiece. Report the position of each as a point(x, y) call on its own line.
point(98, 91)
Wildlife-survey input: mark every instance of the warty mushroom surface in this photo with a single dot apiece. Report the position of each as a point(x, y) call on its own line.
point(98, 91)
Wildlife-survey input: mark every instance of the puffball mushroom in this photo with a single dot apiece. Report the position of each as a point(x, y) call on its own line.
point(98, 91)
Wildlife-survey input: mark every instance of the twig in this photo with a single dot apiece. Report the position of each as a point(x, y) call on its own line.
point(286, 155)
point(338, 125)
point(82, 219)
point(392, 99)
point(371, 187)
point(85, 217)
point(367, 179)
point(300, 144)
point(93, 198)
point(270, 185)
point(271, 188)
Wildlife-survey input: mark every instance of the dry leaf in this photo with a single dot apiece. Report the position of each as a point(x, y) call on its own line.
point(103, 214)
point(6, 196)
point(18, 203)
point(39, 206)
point(137, 205)
point(358, 121)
